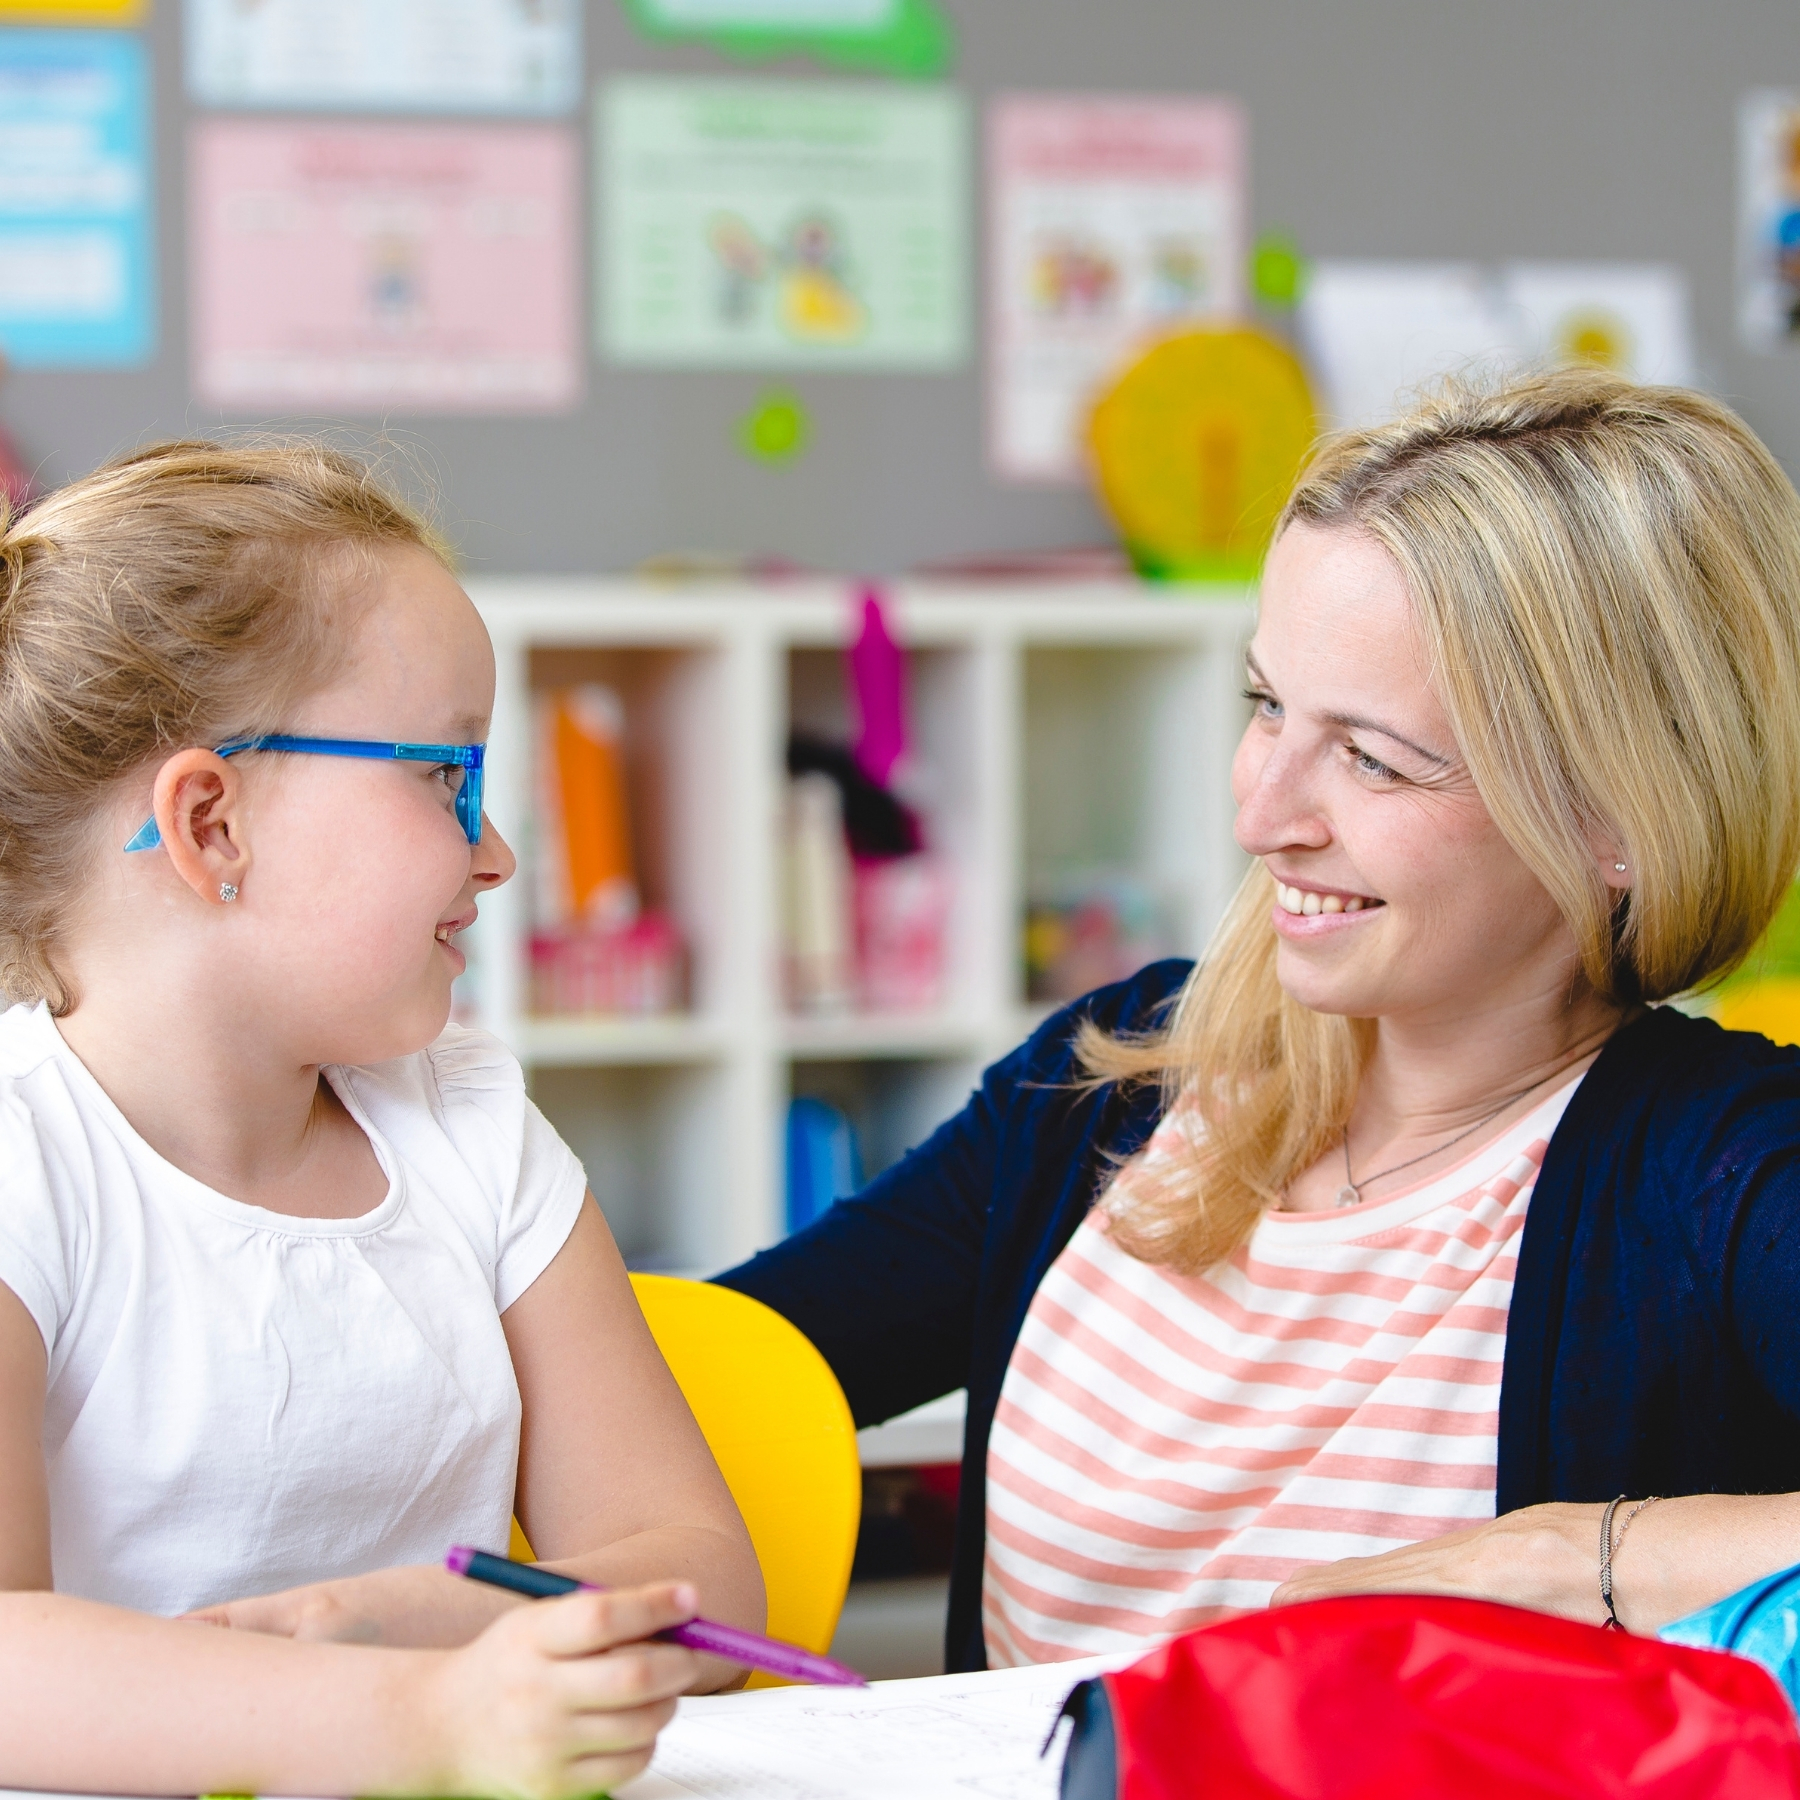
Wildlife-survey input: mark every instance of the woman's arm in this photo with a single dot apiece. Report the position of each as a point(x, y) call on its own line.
point(616, 1484)
point(1678, 1556)
point(93, 1697)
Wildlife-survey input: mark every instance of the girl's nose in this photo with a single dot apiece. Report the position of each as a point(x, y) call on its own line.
point(492, 861)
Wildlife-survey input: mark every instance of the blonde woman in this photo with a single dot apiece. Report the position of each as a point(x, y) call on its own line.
point(1410, 1205)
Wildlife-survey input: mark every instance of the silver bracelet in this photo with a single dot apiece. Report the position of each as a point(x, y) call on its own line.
point(1609, 1547)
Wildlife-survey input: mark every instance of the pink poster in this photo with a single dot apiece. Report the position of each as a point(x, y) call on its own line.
point(1113, 220)
point(364, 268)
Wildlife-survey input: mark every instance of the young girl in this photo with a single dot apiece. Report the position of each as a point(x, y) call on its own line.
point(298, 1287)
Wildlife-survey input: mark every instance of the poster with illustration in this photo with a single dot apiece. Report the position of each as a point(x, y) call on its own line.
point(77, 281)
point(1769, 220)
point(1378, 333)
point(1114, 221)
point(377, 268)
point(749, 224)
point(509, 56)
point(1628, 317)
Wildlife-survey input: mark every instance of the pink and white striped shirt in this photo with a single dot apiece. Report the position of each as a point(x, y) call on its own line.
point(1168, 1449)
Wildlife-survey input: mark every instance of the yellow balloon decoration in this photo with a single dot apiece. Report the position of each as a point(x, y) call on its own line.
point(1196, 447)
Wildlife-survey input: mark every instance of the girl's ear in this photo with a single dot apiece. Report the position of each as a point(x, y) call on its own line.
point(199, 801)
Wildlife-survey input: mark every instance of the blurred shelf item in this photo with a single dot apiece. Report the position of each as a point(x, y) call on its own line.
point(594, 1039)
point(929, 1434)
point(1057, 728)
point(880, 1035)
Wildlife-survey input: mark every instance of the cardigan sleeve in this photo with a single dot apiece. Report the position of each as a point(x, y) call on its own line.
point(916, 1286)
point(885, 1283)
point(1744, 1225)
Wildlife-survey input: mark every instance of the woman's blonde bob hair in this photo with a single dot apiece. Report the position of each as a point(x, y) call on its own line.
point(184, 594)
point(1606, 580)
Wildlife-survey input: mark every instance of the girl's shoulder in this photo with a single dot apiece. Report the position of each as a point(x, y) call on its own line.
point(465, 1090)
point(463, 1068)
point(457, 1116)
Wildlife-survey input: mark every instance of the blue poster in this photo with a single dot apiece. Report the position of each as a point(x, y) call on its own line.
point(77, 283)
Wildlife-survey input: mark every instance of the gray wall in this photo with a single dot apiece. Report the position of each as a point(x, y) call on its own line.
point(1552, 128)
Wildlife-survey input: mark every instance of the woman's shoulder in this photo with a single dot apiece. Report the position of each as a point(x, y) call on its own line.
point(1139, 1003)
point(1693, 1090)
point(1678, 1054)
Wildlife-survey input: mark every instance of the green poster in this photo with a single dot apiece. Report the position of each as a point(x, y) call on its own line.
point(898, 37)
point(749, 224)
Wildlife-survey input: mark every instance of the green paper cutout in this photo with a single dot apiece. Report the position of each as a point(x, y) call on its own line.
point(914, 38)
point(776, 429)
point(1277, 271)
point(1776, 954)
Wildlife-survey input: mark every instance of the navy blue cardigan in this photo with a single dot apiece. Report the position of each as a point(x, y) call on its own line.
point(1653, 1346)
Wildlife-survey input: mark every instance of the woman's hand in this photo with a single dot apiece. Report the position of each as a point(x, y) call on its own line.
point(1546, 1558)
point(560, 1698)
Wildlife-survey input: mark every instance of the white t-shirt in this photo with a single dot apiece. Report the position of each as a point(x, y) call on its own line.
point(240, 1401)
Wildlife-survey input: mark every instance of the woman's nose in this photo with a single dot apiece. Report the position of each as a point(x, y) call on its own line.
point(1276, 807)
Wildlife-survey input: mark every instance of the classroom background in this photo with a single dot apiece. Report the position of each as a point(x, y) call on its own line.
point(860, 422)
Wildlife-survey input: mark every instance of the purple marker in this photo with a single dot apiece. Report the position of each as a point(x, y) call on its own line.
point(748, 1647)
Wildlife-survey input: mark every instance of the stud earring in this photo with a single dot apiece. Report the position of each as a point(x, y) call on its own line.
point(1618, 869)
point(227, 892)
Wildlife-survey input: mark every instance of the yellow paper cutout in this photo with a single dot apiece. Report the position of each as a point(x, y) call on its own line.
point(1196, 447)
point(1769, 1006)
point(74, 12)
point(1594, 338)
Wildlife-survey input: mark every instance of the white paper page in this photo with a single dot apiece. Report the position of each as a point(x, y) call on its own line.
point(1631, 317)
point(947, 1737)
point(520, 56)
point(1379, 331)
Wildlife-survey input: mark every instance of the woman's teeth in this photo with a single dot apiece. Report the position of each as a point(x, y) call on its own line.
point(1298, 900)
point(445, 933)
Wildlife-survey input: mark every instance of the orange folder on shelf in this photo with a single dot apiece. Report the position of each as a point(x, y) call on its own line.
point(587, 822)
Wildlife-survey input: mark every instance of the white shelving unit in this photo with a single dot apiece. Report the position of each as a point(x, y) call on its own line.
point(1051, 726)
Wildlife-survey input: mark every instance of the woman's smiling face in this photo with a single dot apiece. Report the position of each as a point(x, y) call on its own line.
point(1397, 897)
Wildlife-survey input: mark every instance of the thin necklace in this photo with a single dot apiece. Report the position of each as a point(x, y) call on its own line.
point(1350, 1194)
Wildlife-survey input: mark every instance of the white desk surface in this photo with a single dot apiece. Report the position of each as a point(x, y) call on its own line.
point(943, 1737)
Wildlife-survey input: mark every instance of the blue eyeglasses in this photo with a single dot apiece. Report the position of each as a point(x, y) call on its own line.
point(467, 757)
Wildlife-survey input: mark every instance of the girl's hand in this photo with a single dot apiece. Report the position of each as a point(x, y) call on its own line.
point(1546, 1558)
point(415, 1607)
point(320, 1613)
point(560, 1698)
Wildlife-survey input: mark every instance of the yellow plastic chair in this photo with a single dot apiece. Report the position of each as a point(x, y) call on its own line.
point(775, 1418)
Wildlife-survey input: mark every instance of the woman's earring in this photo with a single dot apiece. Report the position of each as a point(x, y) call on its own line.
point(1618, 869)
point(228, 891)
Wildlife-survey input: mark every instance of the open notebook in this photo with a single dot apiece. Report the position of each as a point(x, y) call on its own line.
point(946, 1737)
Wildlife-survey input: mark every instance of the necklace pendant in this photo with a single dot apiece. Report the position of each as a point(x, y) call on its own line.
point(1348, 1196)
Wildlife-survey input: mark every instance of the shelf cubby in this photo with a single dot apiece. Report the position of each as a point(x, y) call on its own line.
point(892, 1102)
point(1051, 727)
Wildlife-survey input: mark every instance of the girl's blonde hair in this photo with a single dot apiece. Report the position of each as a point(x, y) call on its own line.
point(1606, 579)
point(184, 594)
